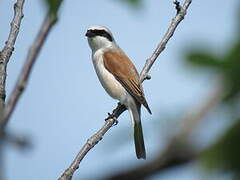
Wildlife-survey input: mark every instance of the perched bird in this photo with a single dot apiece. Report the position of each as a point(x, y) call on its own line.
point(119, 77)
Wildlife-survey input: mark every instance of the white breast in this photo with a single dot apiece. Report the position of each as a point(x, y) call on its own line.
point(108, 81)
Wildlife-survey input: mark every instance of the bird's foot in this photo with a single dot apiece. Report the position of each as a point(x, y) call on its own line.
point(111, 116)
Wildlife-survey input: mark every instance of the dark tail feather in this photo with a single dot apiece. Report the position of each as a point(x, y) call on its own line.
point(138, 133)
point(139, 141)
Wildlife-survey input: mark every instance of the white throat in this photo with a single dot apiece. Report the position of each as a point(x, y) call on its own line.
point(99, 42)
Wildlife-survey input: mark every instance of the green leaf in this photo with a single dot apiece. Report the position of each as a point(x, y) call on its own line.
point(133, 3)
point(228, 66)
point(224, 154)
point(203, 59)
point(231, 71)
point(53, 6)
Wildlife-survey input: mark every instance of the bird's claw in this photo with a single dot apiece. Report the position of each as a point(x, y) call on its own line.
point(116, 122)
point(111, 116)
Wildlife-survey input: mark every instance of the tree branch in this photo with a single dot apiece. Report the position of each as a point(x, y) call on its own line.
point(7, 51)
point(5, 55)
point(92, 141)
point(23, 78)
point(68, 173)
point(162, 45)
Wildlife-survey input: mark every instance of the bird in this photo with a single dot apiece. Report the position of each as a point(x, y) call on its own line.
point(119, 77)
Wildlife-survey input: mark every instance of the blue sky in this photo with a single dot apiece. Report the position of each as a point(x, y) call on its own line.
point(64, 103)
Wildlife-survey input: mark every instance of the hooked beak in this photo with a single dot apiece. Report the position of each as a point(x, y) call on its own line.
point(89, 34)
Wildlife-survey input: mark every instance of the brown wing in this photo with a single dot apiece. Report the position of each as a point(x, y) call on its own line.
point(125, 72)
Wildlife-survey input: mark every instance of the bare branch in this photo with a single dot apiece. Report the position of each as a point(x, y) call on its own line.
point(162, 45)
point(68, 173)
point(33, 52)
point(6, 53)
point(92, 141)
point(9, 45)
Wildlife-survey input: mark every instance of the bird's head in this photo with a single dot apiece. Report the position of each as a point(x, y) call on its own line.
point(99, 37)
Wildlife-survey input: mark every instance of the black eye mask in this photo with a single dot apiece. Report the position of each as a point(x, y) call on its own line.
point(96, 32)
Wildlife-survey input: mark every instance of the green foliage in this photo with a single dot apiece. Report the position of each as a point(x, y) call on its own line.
point(203, 59)
point(231, 70)
point(133, 3)
point(53, 6)
point(228, 66)
point(224, 154)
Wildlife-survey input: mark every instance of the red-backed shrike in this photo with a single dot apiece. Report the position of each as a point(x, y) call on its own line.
point(119, 77)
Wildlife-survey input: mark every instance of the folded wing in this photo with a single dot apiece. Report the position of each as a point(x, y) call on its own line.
point(125, 72)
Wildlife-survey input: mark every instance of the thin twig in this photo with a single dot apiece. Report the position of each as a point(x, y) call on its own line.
point(5, 55)
point(68, 173)
point(7, 51)
point(92, 141)
point(33, 52)
point(162, 45)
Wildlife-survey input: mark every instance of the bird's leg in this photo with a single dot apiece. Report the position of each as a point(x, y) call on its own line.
point(116, 112)
point(112, 116)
